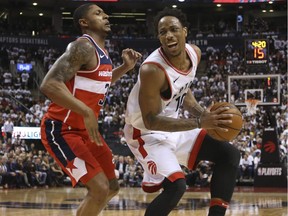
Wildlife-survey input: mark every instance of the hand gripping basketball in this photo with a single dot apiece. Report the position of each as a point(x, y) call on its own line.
point(233, 128)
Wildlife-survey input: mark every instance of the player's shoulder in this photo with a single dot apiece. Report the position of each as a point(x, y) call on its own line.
point(81, 44)
point(197, 50)
point(149, 67)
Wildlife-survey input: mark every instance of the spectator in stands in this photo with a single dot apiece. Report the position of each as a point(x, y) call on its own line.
point(41, 171)
point(72, 118)
point(120, 165)
point(22, 179)
point(204, 174)
point(246, 167)
point(8, 128)
point(130, 173)
point(57, 175)
point(12, 178)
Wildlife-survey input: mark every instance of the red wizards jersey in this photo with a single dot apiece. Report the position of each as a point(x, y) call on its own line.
point(89, 86)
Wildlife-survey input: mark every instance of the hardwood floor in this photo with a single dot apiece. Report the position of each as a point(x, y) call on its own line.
point(246, 201)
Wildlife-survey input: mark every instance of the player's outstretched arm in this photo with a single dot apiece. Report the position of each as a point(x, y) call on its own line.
point(130, 58)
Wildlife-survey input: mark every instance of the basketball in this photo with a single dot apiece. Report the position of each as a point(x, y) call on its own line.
point(234, 128)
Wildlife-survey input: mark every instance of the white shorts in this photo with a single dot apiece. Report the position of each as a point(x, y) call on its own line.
point(161, 153)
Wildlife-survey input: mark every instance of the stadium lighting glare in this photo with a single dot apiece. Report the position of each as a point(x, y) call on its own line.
point(21, 13)
point(264, 11)
point(174, 6)
point(41, 14)
point(270, 2)
point(35, 4)
point(271, 11)
point(218, 5)
point(181, 0)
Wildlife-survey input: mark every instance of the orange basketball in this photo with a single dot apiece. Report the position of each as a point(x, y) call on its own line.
point(234, 128)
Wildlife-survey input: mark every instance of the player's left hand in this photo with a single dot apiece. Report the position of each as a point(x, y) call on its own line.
point(130, 58)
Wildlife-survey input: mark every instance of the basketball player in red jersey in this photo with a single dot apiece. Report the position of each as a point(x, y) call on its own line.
point(77, 84)
point(160, 139)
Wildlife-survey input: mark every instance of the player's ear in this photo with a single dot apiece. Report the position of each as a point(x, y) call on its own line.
point(83, 22)
point(185, 31)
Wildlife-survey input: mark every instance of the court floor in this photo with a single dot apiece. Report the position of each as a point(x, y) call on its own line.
point(246, 201)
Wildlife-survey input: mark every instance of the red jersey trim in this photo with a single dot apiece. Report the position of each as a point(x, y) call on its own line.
point(196, 148)
point(104, 51)
point(137, 135)
point(150, 187)
point(175, 176)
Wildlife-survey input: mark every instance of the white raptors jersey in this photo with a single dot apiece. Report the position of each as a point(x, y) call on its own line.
point(179, 82)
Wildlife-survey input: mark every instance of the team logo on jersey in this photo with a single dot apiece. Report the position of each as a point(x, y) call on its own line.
point(76, 168)
point(105, 73)
point(176, 79)
point(152, 167)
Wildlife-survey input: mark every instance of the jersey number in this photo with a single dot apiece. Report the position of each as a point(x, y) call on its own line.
point(180, 101)
point(101, 102)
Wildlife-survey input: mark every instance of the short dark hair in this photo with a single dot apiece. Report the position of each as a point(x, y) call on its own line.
point(170, 12)
point(79, 13)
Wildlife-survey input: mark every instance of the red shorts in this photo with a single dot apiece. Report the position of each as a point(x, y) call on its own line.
point(72, 149)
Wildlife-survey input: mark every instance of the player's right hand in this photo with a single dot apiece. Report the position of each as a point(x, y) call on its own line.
point(91, 123)
point(214, 119)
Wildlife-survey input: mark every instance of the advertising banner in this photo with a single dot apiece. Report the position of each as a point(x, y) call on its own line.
point(27, 132)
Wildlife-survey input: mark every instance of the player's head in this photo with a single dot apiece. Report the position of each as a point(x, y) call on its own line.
point(172, 28)
point(91, 17)
point(170, 12)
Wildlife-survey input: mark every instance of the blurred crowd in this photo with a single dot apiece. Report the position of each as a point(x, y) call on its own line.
point(24, 164)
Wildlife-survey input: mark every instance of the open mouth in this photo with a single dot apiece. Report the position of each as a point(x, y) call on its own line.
point(172, 45)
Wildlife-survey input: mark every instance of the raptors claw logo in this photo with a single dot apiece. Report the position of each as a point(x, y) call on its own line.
point(269, 147)
point(152, 167)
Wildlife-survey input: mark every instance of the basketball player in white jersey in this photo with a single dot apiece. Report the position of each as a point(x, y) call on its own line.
point(159, 139)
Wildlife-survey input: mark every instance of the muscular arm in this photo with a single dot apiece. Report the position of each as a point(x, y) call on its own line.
point(153, 80)
point(191, 105)
point(77, 55)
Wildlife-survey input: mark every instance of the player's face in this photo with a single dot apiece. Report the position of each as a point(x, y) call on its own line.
point(97, 20)
point(172, 35)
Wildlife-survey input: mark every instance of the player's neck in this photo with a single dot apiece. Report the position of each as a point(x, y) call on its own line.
point(99, 39)
point(180, 61)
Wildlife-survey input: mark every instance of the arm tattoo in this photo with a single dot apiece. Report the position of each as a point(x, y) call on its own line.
point(71, 61)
